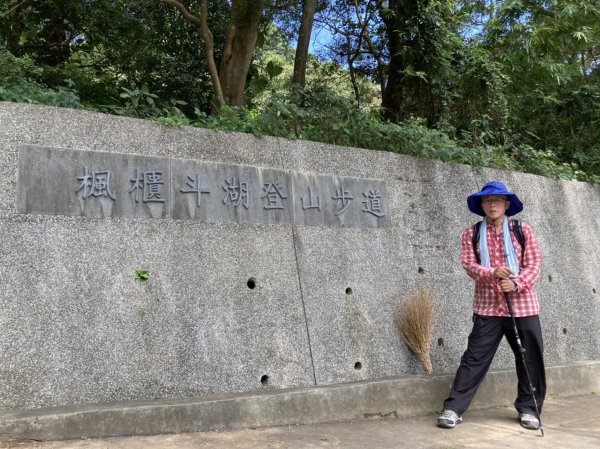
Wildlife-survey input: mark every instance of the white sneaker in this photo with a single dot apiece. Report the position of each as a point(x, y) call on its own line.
point(449, 419)
point(529, 421)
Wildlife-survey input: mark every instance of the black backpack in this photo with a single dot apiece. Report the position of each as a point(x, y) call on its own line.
point(517, 229)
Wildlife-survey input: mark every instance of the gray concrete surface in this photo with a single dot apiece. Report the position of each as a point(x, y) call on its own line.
point(571, 422)
point(77, 328)
point(397, 397)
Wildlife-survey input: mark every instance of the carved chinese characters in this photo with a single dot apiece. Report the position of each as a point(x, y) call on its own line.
point(66, 182)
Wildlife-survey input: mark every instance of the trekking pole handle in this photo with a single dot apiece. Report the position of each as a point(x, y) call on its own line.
point(508, 303)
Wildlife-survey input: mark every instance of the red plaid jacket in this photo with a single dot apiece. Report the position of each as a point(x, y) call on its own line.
point(489, 299)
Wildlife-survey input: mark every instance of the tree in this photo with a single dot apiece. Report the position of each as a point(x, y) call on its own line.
point(422, 39)
point(510, 83)
point(12, 18)
point(44, 30)
point(239, 49)
point(412, 48)
point(229, 81)
point(356, 43)
point(306, 23)
point(550, 52)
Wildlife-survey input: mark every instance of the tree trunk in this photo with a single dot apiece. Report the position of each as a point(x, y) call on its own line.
point(56, 42)
point(306, 23)
point(202, 23)
point(391, 101)
point(350, 58)
point(239, 49)
point(364, 26)
point(408, 94)
point(13, 36)
point(209, 49)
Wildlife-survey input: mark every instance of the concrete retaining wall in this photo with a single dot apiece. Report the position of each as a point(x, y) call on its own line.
point(76, 327)
point(376, 399)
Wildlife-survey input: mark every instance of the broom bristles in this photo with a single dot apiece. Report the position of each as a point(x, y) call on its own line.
point(415, 318)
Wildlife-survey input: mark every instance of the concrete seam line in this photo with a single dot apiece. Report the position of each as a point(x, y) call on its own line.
point(312, 360)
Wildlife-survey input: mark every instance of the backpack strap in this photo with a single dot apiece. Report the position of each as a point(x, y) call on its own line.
point(475, 240)
point(517, 229)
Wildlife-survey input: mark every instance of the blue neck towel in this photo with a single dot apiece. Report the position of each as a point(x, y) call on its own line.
point(510, 256)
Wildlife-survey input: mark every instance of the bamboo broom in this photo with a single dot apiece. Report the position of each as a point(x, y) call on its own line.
point(415, 318)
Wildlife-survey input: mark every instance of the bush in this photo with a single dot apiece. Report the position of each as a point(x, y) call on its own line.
point(329, 117)
point(19, 83)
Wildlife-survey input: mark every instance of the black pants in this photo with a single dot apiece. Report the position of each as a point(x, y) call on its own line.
point(483, 342)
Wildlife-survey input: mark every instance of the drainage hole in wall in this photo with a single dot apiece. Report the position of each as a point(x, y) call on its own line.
point(349, 291)
point(251, 283)
point(549, 278)
point(421, 270)
point(358, 366)
point(440, 342)
point(565, 330)
point(594, 290)
point(264, 380)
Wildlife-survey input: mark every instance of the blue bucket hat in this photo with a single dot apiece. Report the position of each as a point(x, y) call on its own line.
point(494, 188)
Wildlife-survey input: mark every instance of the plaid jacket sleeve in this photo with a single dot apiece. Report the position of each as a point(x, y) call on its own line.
point(477, 272)
point(531, 265)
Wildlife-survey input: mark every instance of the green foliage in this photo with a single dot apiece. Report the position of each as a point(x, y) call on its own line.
point(262, 77)
point(330, 118)
point(424, 43)
point(141, 103)
point(142, 275)
point(19, 83)
point(106, 45)
point(547, 51)
point(230, 118)
point(547, 163)
point(478, 110)
point(510, 84)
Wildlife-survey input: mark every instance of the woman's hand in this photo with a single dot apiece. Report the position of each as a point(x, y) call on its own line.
point(507, 286)
point(503, 273)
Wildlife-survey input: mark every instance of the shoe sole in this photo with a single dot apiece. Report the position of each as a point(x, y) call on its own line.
point(530, 426)
point(448, 425)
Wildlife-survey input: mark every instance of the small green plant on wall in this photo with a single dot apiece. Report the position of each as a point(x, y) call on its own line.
point(142, 275)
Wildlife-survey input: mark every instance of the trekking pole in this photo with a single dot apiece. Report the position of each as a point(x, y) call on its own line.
point(522, 351)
